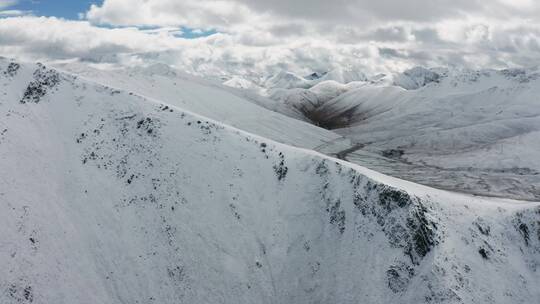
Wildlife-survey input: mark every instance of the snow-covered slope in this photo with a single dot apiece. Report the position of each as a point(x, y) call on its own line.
point(242, 83)
point(286, 80)
point(416, 78)
point(343, 76)
point(109, 197)
point(307, 101)
point(302, 100)
point(243, 109)
point(300, 96)
point(474, 131)
point(425, 125)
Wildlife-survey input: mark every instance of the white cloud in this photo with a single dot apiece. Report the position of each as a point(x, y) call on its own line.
point(228, 14)
point(13, 13)
point(260, 37)
point(42, 37)
point(193, 13)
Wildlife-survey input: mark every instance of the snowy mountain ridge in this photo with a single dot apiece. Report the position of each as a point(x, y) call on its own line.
point(433, 134)
point(473, 131)
point(154, 204)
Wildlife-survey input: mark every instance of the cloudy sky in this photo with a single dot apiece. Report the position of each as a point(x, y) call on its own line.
point(256, 37)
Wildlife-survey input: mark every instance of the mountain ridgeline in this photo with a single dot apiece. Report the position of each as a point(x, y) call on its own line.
point(112, 196)
point(473, 131)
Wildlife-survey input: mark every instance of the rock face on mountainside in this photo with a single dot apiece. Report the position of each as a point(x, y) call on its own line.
point(108, 197)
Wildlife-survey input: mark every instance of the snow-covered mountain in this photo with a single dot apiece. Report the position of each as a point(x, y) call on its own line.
point(448, 161)
point(238, 108)
point(470, 131)
point(290, 80)
point(416, 78)
point(298, 96)
point(307, 101)
point(286, 80)
point(343, 76)
point(108, 196)
point(473, 131)
point(242, 83)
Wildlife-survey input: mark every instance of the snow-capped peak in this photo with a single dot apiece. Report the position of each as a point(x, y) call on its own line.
point(415, 78)
point(286, 80)
point(344, 75)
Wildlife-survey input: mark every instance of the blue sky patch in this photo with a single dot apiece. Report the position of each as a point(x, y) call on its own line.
point(67, 9)
point(71, 10)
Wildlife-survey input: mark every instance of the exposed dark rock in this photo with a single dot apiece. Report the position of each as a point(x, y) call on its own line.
point(538, 231)
point(389, 196)
point(28, 294)
point(483, 252)
point(482, 227)
point(322, 169)
point(393, 153)
point(234, 211)
point(17, 293)
point(519, 75)
point(422, 229)
point(337, 216)
point(404, 219)
point(12, 69)
point(176, 273)
point(398, 277)
point(44, 80)
point(280, 169)
point(524, 230)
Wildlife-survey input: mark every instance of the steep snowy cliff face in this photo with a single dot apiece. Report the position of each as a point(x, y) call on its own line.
point(108, 197)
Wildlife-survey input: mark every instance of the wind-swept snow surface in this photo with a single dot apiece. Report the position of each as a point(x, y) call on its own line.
point(108, 197)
